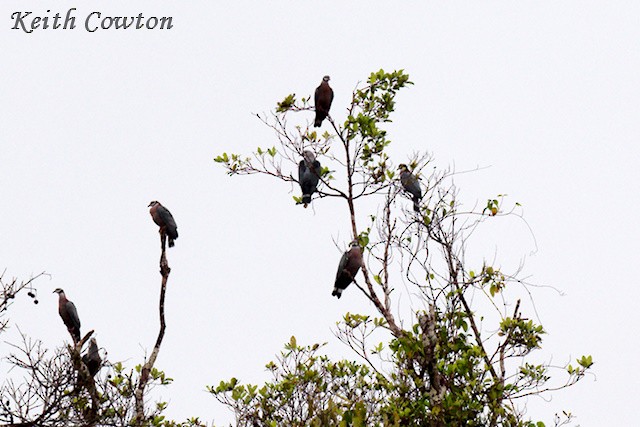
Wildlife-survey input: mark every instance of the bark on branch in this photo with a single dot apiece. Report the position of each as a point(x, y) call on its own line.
point(148, 366)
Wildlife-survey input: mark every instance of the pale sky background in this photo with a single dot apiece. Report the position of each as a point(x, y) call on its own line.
point(93, 126)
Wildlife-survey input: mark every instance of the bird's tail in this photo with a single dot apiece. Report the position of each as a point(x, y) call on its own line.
point(171, 243)
point(416, 203)
point(336, 293)
point(320, 116)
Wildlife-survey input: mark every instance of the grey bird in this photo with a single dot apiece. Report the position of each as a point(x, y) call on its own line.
point(69, 314)
point(322, 98)
point(349, 266)
point(163, 218)
point(308, 176)
point(411, 185)
point(92, 359)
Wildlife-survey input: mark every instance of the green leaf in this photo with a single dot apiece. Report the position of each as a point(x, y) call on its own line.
point(286, 104)
point(224, 158)
point(585, 361)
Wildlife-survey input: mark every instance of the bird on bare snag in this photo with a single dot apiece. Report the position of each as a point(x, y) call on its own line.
point(350, 263)
point(163, 218)
point(69, 314)
point(92, 359)
point(308, 176)
point(411, 185)
point(323, 98)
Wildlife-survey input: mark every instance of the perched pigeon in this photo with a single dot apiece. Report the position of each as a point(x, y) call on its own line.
point(411, 185)
point(69, 315)
point(323, 98)
point(92, 359)
point(164, 219)
point(350, 263)
point(308, 176)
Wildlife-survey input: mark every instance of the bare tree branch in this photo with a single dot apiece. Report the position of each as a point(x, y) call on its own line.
point(148, 365)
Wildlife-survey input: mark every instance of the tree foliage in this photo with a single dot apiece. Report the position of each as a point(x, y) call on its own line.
point(457, 362)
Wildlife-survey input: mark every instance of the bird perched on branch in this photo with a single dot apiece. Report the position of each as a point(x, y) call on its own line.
point(92, 359)
point(165, 221)
point(69, 314)
point(411, 184)
point(308, 176)
point(350, 263)
point(323, 98)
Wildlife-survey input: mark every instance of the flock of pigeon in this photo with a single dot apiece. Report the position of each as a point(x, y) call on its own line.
point(308, 176)
point(67, 310)
point(309, 170)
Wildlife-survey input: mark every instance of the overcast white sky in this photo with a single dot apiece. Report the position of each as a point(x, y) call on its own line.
point(93, 126)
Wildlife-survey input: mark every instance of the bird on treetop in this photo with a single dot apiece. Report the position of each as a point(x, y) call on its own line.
point(69, 314)
point(350, 263)
point(308, 176)
point(411, 185)
point(163, 218)
point(92, 359)
point(323, 98)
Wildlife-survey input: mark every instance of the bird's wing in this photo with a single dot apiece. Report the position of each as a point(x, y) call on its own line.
point(315, 173)
point(410, 183)
point(73, 314)
point(414, 186)
point(93, 351)
point(325, 97)
point(166, 217)
point(343, 263)
point(405, 178)
point(302, 168)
